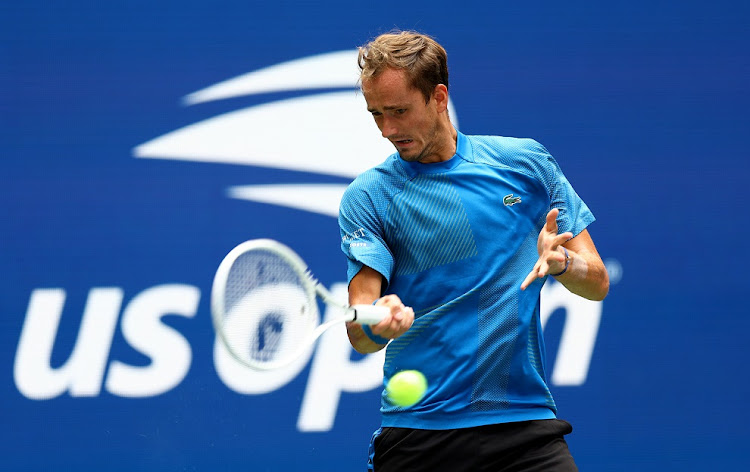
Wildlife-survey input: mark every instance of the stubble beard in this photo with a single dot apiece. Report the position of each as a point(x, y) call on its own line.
point(429, 146)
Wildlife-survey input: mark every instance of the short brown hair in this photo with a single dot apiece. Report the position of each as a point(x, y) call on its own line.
point(424, 60)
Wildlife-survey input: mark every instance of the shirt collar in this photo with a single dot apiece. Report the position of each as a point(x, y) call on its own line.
point(463, 153)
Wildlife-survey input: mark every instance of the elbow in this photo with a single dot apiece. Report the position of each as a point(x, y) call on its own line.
point(596, 287)
point(601, 294)
point(602, 290)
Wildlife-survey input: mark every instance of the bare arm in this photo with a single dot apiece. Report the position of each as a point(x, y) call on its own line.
point(365, 288)
point(585, 276)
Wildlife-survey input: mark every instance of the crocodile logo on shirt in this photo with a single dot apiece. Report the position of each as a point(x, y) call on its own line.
point(510, 200)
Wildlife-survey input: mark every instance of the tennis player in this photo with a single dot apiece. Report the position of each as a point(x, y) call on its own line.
point(457, 234)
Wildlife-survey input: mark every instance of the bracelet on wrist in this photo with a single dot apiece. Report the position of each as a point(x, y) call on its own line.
point(567, 262)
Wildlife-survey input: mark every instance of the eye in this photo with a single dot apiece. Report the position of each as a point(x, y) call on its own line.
point(401, 111)
point(376, 113)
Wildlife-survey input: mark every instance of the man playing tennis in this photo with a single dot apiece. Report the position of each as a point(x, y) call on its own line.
point(456, 235)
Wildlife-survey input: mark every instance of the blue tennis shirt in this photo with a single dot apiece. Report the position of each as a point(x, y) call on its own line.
point(455, 240)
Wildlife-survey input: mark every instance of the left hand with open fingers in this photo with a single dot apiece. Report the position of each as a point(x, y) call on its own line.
point(552, 258)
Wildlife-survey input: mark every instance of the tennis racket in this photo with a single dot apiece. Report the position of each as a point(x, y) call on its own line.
point(264, 305)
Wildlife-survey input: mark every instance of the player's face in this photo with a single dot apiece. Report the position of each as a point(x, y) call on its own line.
point(403, 117)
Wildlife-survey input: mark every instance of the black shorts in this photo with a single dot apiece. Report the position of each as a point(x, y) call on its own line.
point(524, 446)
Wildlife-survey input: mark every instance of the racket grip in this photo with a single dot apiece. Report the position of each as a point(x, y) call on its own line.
point(369, 314)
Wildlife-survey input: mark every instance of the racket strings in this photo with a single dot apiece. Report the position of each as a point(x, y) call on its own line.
point(269, 308)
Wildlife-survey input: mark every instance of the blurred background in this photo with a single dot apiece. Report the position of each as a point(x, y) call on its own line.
point(141, 141)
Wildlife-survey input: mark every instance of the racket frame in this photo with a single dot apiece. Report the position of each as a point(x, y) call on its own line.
point(363, 314)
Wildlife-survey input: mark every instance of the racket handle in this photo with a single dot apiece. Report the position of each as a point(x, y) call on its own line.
point(369, 314)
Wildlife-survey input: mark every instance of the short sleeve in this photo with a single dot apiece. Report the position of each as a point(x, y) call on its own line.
point(574, 214)
point(361, 229)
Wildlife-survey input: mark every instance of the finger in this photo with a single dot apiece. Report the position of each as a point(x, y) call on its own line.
point(397, 312)
point(551, 222)
point(407, 321)
point(398, 327)
point(389, 300)
point(393, 303)
point(398, 315)
point(529, 278)
point(382, 326)
point(556, 256)
point(543, 269)
point(561, 239)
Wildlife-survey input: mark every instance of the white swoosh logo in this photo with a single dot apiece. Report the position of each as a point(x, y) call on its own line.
point(316, 198)
point(331, 70)
point(320, 133)
point(325, 133)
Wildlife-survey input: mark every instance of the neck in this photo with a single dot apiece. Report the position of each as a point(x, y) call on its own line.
point(445, 147)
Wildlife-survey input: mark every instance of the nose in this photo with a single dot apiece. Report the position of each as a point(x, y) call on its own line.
point(388, 127)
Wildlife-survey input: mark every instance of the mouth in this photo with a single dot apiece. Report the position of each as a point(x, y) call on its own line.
point(402, 142)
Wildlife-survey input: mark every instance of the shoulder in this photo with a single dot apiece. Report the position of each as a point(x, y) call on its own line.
point(376, 183)
point(507, 150)
point(524, 155)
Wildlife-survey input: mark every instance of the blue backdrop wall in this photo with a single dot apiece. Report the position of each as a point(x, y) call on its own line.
point(141, 142)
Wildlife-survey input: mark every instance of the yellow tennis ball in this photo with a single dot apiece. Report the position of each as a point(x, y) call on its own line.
point(406, 388)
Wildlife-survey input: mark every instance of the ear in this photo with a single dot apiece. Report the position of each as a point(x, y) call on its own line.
point(440, 94)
